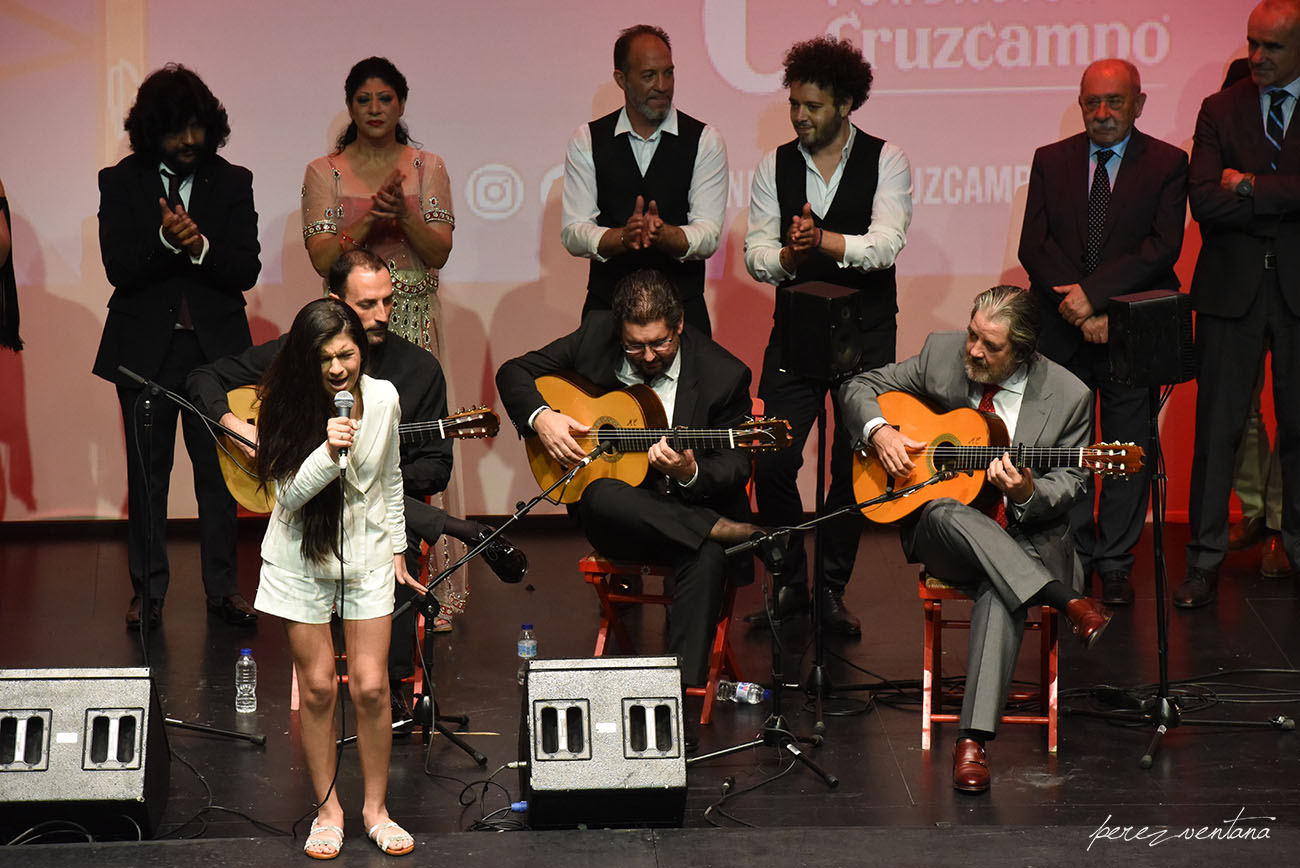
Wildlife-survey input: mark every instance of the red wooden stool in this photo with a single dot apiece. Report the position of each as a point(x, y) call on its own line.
point(601, 573)
point(933, 592)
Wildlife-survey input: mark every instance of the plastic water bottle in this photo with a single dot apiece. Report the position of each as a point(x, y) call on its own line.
point(526, 648)
point(743, 691)
point(245, 682)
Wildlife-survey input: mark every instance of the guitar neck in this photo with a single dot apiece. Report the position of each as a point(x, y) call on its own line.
point(978, 457)
point(641, 439)
point(422, 432)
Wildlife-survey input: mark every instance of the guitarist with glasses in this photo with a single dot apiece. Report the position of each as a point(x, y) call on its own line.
point(1019, 553)
point(692, 502)
point(360, 279)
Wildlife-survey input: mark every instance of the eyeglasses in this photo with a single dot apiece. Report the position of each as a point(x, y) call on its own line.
point(658, 347)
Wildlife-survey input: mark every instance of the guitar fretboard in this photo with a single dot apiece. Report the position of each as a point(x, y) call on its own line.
point(953, 457)
point(641, 439)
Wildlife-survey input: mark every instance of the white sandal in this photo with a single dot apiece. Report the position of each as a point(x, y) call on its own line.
point(386, 845)
point(315, 839)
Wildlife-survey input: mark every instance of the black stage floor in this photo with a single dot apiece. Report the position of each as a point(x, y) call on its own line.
point(62, 598)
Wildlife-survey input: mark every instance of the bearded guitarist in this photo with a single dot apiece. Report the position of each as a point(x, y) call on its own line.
point(693, 503)
point(360, 279)
point(1022, 553)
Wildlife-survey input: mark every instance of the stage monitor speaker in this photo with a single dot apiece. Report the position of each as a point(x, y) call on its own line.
point(85, 745)
point(603, 741)
point(1151, 342)
point(823, 336)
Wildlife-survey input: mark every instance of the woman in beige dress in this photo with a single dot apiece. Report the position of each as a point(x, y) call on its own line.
point(379, 191)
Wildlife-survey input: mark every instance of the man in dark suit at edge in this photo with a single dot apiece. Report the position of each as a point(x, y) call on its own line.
point(1244, 189)
point(1104, 217)
point(178, 236)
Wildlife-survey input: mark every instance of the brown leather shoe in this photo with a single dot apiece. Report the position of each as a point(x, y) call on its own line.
point(1246, 533)
point(1275, 564)
point(233, 610)
point(1088, 619)
point(970, 768)
point(133, 614)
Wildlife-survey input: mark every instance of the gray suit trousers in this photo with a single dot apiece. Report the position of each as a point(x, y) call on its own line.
point(998, 568)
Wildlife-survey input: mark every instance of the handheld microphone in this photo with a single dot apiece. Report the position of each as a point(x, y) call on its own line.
point(343, 402)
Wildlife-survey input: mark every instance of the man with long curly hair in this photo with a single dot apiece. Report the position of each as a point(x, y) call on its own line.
point(178, 236)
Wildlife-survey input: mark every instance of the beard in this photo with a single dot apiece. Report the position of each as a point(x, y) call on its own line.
point(980, 371)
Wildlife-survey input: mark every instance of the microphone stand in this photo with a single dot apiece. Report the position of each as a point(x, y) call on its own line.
point(425, 709)
point(145, 406)
point(818, 684)
point(775, 731)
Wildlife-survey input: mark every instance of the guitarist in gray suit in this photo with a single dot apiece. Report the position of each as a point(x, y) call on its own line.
point(1021, 554)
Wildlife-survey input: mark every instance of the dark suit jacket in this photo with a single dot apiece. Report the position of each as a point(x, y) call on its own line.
point(1056, 410)
point(1140, 242)
point(712, 392)
point(1236, 231)
point(149, 280)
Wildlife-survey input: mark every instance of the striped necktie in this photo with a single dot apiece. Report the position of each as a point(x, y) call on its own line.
point(1098, 204)
point(1274, 128)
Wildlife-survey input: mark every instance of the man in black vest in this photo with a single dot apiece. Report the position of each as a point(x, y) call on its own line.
point(645, 186)
point(834, 206)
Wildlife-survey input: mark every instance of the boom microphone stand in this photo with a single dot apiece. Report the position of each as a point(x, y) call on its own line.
point(145, 411)
point(774, 731)
point(425, 709)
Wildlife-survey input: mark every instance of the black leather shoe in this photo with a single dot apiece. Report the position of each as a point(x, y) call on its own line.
point(133, 614)
point(1116, 589)
point(691, 736)
point(233, 610)
point(836, 617)
point(1197, 589)
point(508, 562)
point(791, 600)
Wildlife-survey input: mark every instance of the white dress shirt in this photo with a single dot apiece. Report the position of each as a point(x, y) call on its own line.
point(707, 197)
point(891, 213)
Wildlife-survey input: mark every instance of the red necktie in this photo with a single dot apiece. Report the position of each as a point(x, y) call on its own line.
point(998, 511)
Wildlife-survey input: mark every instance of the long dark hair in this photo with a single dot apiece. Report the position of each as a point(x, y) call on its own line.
point(295, 407)
point(383, 69)
point(166, 101)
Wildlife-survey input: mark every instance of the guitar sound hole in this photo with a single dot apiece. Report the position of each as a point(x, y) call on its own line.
point(945, 457)
point(605, 435)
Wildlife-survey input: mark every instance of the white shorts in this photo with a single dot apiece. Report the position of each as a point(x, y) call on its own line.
point(312, 600)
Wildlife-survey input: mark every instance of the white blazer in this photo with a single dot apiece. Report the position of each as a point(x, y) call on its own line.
point(374, 523)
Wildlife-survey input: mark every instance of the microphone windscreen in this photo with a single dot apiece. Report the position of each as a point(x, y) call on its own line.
point(343, 402)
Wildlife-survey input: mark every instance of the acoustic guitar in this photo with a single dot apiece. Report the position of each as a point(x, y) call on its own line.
point(241, 475)
point(964, 441)
point(629, 421)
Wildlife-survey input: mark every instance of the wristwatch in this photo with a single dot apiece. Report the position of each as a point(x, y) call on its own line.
point(1246, 187)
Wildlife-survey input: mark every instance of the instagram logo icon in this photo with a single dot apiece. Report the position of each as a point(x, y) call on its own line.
point(494, 191)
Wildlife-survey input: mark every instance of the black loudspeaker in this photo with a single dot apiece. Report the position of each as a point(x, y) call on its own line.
point(85, 745)
point(823, 335)
point(1151, 342)
point(603, 740)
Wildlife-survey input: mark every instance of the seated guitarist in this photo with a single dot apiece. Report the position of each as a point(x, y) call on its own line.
point(1022, 555)
point(687, 509)
point(360, 279)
